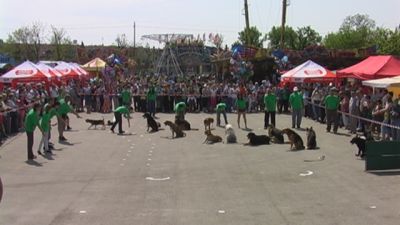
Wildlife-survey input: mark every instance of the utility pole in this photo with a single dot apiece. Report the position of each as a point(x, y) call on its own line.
point(284, 5)
point(134, 38)
point(246, 15)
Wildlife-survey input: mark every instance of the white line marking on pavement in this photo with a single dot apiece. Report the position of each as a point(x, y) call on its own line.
point(82, 212)
point(147, 164)
point(372, 207)
point(307, 173)
point(151, 151)
point(148, 159)
point(157, 179)
point(123, 159)
point(221, 211)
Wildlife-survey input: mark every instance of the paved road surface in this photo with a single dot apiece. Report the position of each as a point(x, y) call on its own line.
point(149, 179)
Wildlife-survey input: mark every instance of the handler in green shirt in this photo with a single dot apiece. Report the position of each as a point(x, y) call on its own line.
point(48, 113)
point(31, 122)
point(118, 112)
point(332, 102)
point(241, 109)
point(180, 110)
point(270, 107)
point(151, 101)
point(62, 117)
point(297, 105)
point(126, 97)
point(221, 108)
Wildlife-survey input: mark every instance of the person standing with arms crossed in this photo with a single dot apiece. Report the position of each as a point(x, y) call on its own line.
point(332, 103)
point(241, 109)
point(31, 122)
point(297, 105)
point(270, 107)
point(118, 112)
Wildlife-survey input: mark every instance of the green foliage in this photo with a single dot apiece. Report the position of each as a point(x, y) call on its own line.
point(387, 41)
point(251, 37)
point(297, 40)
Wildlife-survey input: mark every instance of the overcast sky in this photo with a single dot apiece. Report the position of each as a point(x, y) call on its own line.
point(96, 22)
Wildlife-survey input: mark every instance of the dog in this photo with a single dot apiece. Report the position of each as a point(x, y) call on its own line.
point(184, 125)
point(175, 129)
point(275, 135)
point(255, 140)
point(207, 123)
point(96, 123)
point(230, 135)
point(295, 139)
point(360, 142)
point(311, 138)
point(151, 123)
point(211, 138)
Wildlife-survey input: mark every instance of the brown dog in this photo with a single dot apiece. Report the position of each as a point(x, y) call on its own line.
point(294, 139)
point(175, 129)
point(96, 123)
point(211, 138)
point(207, 123)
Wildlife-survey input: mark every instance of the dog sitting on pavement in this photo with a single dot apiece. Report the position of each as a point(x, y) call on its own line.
point(230, 135)
point(275, 135)
point(255, 140)
point(151, 123)
point(175, 129)
point(184, 124)
point(294, 139)
point(211, 138)
point(96, 123)
point(311, 138)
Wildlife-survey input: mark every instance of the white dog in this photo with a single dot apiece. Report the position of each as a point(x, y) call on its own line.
point(230, 134)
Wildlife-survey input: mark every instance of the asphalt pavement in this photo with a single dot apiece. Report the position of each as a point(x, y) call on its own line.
point(150, 179)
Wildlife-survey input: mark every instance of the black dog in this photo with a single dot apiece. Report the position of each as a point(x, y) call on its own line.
point(311, 138)
point(255, 140)
point(95, 123)
point(275, 134)
point(151, 123)
point(360, 142)
point(184, 124)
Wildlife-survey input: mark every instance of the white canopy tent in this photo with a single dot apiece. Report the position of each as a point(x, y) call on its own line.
point(383, 83)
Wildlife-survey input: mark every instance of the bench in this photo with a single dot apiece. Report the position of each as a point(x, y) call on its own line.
point(382, 155)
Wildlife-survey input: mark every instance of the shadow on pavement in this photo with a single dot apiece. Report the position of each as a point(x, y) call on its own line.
point(33, 163)
point(386, 173)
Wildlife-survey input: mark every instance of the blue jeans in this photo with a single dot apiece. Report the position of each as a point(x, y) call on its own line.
point(395, 132)
point(296, 117)
point(219, 117)
point(151, 107)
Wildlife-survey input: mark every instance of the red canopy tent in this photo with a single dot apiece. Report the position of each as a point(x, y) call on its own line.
point(49, 71)
point(25, 73)
point(67, 71)
point(308, 72)
point(79, 69)
point(374, 67)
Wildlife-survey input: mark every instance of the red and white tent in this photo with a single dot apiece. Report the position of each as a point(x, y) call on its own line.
point(79, 68)
point(25, 73)
point(308, 72)
point(67, 71)
point(49, 71)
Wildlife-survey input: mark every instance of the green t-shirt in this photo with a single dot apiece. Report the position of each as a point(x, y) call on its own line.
point(31, 121)
point(64, 108)
point(241, 103)
point(270, 102)
point(296, 100)
point(180, 107)
point(332, 102)
point(122, 110)
point(45, 121)
point(126, 96)
point(221, 107)
point(151, 95)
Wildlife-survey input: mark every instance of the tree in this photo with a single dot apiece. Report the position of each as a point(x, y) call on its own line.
point(36, 38)
point(274, 37)
point(57, 39)
point(121, 41)
point(356, 32)
point(251, 37)
point(307, 36)
point(387, 41)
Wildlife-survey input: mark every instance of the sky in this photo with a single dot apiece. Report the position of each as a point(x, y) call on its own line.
point(99, 22)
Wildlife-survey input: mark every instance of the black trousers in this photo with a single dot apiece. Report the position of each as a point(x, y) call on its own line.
point(266, 118)
point(118, 120)
point(30, 144)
